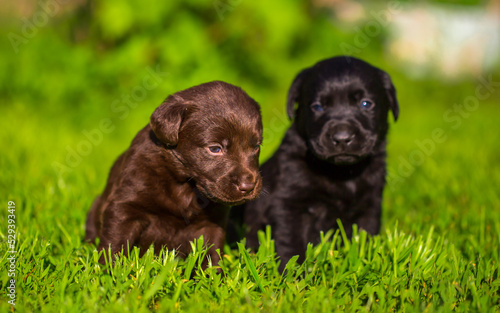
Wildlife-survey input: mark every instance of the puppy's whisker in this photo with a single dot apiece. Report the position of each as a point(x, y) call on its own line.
point(264, 192)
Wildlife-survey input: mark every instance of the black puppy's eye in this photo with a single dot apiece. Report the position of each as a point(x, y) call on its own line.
point(365, 104)
point(215, 150)
point(317, 107)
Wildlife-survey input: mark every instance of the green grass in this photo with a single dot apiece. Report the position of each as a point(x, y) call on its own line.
point(438, 251)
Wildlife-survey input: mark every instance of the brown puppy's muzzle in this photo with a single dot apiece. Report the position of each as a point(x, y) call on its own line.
point(250, 186)
point(246, 183)
point(233, 189)
point(247, 186)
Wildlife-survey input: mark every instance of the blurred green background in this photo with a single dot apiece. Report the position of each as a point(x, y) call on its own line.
point(80, 78)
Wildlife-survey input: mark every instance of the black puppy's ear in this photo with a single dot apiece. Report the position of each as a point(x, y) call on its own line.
point(293, 93)
point(391, 94)
point(167, 118)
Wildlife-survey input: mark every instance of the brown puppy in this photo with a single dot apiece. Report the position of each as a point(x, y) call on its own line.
point(182, 172)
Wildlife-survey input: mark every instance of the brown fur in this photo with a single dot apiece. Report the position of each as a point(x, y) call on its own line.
point(169, 188)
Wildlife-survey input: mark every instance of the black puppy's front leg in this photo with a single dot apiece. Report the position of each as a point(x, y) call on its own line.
point(289, 235)
point(369, 220)
point(121, 229)
point(370, 223)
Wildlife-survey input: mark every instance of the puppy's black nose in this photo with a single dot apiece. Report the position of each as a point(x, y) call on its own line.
point(343, 137)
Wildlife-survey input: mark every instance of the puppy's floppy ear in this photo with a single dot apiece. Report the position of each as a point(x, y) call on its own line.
point(167, 118)
point(293, 93)
point(391, 94)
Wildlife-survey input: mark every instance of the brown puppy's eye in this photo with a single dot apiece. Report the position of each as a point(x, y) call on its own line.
point(257, 148)
point(217, 150)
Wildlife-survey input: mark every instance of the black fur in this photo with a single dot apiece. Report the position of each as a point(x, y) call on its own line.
point(331, 162)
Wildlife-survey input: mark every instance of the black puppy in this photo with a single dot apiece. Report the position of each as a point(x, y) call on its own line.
point(331, 162)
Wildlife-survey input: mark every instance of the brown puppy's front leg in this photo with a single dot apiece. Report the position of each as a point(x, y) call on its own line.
point(91, 229)
point(121, 229)
point(214, 237)
point(217, 237)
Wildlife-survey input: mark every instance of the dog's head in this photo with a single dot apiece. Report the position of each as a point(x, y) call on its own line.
point(215, 132)
point(342, 110)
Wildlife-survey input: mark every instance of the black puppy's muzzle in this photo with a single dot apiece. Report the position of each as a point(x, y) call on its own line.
point(342, 135)
point(343, 142)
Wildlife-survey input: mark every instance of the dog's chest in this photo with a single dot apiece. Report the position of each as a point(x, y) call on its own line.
point(331, 202)
point(326, 199)
point(331, 190)
point(163, 228)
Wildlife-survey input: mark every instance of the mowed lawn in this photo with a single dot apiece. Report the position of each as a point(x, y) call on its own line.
point(438, 251)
